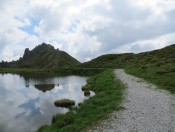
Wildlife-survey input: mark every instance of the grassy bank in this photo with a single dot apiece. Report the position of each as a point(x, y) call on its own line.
point(55, 71)
point(162, 76)
point(156, 66)
point(77, 71)
point(108, 98)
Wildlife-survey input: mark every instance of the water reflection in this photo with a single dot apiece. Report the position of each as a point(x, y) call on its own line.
point(26, 102)
point(44, 87)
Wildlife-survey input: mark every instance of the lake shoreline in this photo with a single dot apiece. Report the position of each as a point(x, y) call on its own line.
point(27, 102)
point(108, 97)
point(55, 71)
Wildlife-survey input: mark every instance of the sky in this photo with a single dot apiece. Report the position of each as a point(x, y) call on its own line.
point(86, 28)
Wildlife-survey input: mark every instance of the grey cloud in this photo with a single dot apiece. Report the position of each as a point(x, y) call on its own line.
point(121, 31)
point(127, 24)
point(124, 30)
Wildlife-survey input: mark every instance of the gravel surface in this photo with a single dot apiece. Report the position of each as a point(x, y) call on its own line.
point(146, 109)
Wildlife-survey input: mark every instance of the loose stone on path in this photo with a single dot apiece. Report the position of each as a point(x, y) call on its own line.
point(146, 109)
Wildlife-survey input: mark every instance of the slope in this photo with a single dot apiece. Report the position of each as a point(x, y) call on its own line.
point(156, 66)
point(44, 56)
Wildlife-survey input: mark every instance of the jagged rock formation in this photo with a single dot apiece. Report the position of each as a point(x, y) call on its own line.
point(43, 56)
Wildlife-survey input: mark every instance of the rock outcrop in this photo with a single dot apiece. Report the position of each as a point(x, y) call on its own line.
point(43, 56)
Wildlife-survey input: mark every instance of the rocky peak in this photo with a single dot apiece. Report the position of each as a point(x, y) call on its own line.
point(26, 53)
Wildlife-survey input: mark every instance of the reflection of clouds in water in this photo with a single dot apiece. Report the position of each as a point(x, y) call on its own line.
point(23, 108)
point(69, 91)
point(9, 80)
point(58, 89)
point(7, 117)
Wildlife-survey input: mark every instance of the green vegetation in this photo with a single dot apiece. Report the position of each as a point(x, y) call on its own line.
point(55, 71)
point(77, 71)
point(156, 66)
point(163, 76)
point(108, 98)
point(20, 70)
point(110, 61)
point(86, 88)
point(43, 56)
point(64, 103)
point(44, 87)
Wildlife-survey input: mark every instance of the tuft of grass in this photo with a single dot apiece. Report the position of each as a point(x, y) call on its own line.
point(86, 88)
point(64, 103)
point(108, 97)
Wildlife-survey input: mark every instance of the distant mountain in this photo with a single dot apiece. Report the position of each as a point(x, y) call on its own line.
point(43, 56)
point(159, 57)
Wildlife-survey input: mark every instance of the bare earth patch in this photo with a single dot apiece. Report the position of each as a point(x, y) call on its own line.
point(145, 109)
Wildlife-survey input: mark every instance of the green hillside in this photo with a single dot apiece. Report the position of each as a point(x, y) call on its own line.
point(110, 61)
point(146, 59)
point(45, 56)
point(156, 66)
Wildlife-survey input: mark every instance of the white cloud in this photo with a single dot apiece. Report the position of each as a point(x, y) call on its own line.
point(150, 44)
point(85, 29)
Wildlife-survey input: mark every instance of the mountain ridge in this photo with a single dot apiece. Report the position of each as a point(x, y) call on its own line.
point(127, 59)
point(43, 56)
point(46, 56)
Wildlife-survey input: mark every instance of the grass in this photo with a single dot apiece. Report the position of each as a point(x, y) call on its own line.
point(45, 56)
point(86, 88)
point(163, 77)
point(108, 97)
point(20, 70)
point(64, 103)
point(77, 71)
point(156, 66)
point(55, 71)
point(110, 61)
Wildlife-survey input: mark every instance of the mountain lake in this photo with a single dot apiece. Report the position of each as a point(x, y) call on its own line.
point(27, 101)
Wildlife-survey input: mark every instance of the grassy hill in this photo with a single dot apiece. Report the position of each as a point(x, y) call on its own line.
point(110, 61)
point(156, 66)
point(44, 56)
point(146, 59)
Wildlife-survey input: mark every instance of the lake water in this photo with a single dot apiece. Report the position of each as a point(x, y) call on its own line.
point(25, 106)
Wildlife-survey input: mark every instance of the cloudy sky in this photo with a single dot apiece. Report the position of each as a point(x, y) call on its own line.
point(86, 28)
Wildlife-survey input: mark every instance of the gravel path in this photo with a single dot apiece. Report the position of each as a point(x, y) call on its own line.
point(146, 109)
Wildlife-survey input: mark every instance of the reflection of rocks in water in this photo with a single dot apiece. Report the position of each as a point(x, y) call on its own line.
point(87, 93)
point(36, 76)
point(67, 103)
point(44, 87)
point(27, 85)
